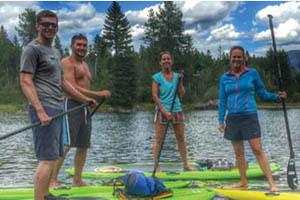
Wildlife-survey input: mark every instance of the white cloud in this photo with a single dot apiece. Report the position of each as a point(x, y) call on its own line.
point(84, 18)
point(206, 17)
point(280, 13)
point(198, 21)
point(287, 32)
point(137, 31)
point(10, 11)
point(140, 16)
point(195, 13)
point(206, 14)
point(286, 20)
point(226, 32)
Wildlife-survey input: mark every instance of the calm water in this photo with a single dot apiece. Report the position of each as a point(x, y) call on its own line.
point(123, 138)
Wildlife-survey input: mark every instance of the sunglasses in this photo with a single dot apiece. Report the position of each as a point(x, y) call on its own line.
point(48, 24)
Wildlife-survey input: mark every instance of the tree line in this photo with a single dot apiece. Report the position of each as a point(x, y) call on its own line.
point(115, 65)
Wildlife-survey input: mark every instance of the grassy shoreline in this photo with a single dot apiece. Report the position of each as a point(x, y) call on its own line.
point(22, 109)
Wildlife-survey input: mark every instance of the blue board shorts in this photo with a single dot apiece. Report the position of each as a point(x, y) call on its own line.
point(77, 125)
point(243, 127)
point(48, 140)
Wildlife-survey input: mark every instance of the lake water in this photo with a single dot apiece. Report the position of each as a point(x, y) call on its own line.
point(123, 138)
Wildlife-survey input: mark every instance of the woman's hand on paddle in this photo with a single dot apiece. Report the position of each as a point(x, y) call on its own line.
point(282, 95)
point(222, 128)
point(167, 114)
point(180, 76)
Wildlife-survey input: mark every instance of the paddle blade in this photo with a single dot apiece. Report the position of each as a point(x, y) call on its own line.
point(292, 175)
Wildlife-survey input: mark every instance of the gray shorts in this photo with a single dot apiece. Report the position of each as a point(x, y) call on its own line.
point(77, 125)
point(48, 140)
point(243, 127)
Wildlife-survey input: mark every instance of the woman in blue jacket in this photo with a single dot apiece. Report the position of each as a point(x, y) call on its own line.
point(237, 93)
point(163, 90)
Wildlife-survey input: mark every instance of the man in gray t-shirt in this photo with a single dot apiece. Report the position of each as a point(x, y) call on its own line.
point(44, 62)
point(42, 82)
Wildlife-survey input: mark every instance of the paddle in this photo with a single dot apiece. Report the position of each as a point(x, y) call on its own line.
point(165, 133)
point(291, 169)
point(97, 107)
point(36, 124)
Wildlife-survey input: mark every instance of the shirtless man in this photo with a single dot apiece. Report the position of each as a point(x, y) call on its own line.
point(77, 126)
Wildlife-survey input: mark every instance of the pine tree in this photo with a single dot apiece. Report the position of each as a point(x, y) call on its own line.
point(5, 47)
point(26, 29)
point(116, 34)
point(66, 52)
point(58, 46)
point(117, 30)
point(15, 60)
point(165, 31)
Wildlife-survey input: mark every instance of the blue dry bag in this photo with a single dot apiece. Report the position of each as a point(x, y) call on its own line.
point(136, 183)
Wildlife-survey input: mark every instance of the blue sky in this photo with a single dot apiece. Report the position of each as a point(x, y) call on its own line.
point(210, 23)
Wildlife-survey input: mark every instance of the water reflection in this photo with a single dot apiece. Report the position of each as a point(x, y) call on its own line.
point(123, 138)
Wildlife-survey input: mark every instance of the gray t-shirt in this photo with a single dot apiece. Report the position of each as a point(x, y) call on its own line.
point(44, 63)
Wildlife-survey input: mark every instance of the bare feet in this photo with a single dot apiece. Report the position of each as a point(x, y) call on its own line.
point(79, 183)
point(189, 168)
point(274, 188)
point(158, 170)
point(55, 185)
point(241, 186)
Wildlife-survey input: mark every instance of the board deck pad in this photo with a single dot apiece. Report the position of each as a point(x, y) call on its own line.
point(253, 171)
point(180, 192)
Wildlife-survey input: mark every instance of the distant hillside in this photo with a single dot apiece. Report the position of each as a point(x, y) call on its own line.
point(294, 57)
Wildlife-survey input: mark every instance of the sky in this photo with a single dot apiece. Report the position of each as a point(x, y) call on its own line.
point(212, 24)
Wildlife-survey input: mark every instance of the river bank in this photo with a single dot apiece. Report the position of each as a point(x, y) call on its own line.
point(211, 105)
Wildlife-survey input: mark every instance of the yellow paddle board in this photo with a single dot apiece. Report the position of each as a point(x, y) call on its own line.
point(249, 194)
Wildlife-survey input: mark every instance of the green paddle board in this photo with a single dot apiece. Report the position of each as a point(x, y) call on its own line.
point(180, 192)
point(253, 171)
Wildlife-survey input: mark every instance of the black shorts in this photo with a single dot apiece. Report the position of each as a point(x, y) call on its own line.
point(243, 127)
point(77, 125)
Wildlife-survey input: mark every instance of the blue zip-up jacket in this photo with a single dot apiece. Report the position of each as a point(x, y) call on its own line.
point(238, 94)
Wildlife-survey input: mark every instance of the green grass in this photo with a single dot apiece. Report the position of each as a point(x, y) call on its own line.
point(9, 108)
point(273, 105)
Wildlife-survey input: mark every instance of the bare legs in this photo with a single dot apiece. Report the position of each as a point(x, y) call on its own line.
point(261, 158)
point(238, 147)
point(42, 178)
point(263, 162)
point(54, 183)
point(79, 161)
point(179, 134)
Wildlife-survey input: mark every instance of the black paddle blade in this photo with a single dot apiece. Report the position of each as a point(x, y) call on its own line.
point(292, 174)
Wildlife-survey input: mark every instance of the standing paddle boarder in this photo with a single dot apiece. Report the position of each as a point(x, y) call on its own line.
point(77, 125)
point(163, 90)
point(237, 93)
point(42, 82)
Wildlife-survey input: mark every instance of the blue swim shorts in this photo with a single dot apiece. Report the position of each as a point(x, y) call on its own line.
point(48, 140)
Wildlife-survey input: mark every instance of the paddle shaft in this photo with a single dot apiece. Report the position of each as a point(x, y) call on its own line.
point(39, 123)
point(97, 107)
point(291, 165)
point(165, 133)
